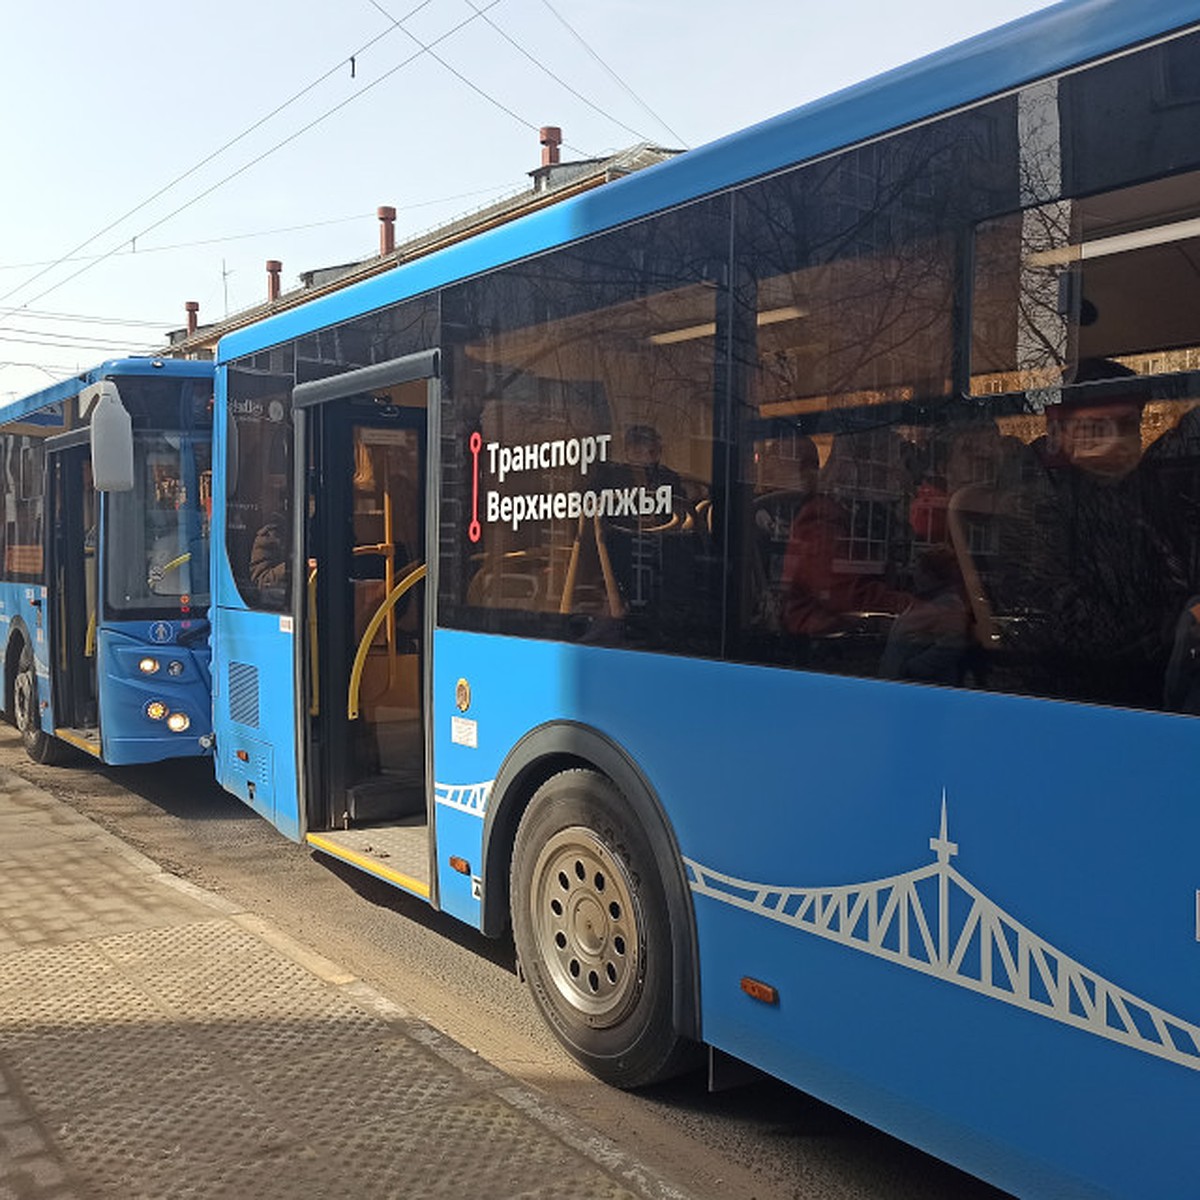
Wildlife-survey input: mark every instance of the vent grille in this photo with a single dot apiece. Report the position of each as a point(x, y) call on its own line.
point(243, 693)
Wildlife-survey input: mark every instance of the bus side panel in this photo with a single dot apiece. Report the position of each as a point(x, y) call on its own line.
point(256, 729)
point(513, 688)
point(1028, 966)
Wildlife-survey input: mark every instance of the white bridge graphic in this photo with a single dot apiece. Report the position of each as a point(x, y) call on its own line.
point(466, 797)
point(934, 921)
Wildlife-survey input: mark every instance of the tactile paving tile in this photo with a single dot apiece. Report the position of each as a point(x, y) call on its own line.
point(31, 1162)
point(63, 1015)
point(398, 1075)
point(51, 899)
point(107, 1062)
point(484, 1147)
point(146, 1144)
point(53, 969)
point(192, 940)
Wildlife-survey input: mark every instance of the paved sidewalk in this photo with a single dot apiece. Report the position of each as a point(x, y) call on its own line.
point(158, 1041)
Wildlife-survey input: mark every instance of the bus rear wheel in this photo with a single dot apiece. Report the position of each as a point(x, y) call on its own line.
point(39, 745)
point(592, 933)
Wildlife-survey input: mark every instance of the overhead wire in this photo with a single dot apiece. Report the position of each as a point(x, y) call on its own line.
point(97, 344)
point(207, 159)
point(541, 66)
point(236, 237)
point(41, 314)
point(424, 49)
point(620, 82)
point(51, 370)
point(427, 49)
point(36, 333)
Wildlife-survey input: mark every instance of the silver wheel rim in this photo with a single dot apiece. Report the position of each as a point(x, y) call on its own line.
point(586, 925)
point(23, 700)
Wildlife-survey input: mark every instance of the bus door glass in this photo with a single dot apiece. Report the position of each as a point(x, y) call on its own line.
point(72, 593)
point(366, 619)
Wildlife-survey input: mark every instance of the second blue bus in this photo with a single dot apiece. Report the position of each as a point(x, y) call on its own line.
point(104, 581)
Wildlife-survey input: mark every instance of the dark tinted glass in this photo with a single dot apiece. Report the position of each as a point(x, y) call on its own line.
point(260, 470)
point(1022, 517)
point(846, 290)
point(1131, 119)
point(22, 504)
point(258, 527)
point(1085, 561)
point(374, 338)
point(580, 456)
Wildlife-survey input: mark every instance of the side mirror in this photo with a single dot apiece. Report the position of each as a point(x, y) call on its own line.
point(112, 438)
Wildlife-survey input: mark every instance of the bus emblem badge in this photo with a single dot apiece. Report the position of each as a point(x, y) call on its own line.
point(160, 632)
point(462, 695)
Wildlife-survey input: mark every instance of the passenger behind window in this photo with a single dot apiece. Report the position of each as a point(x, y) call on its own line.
point(269, 566)
point(930, 642)
point(827, 588)
point(1106, 578)
point(660, 561)
point(785, 471)
point(268, 560)
point(642, 466)
point(1175, 461)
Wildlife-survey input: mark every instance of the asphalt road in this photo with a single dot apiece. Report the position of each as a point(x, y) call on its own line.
point(760, 1141)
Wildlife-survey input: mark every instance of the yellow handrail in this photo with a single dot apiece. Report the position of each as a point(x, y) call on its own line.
point(157, 574)
point(407, 582)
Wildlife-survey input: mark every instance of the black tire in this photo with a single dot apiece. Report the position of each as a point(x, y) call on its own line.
point(39, 745)
point(592, 932)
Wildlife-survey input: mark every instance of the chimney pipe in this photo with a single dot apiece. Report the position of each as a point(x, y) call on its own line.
point(387, 228)
point(192, 307)
point(274, 266)
point(551, 139)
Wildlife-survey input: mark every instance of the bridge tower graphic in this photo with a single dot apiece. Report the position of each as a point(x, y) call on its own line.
point(935, 921)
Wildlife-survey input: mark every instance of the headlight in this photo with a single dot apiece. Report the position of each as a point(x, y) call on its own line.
point(178, 722)
point(148, 666)
point(156, 710)
point(175, 667)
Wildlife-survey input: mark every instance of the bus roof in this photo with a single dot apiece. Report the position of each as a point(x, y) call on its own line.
point(1055, 39)
point(67, 389)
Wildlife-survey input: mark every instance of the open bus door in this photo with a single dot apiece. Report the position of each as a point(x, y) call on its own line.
point(72, 594)
point(365, 624)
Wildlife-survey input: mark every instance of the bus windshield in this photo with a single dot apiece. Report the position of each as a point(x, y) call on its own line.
point(155, 548)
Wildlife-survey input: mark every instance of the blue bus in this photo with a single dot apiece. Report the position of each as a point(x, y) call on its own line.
point(105, 498)
point(770, 585)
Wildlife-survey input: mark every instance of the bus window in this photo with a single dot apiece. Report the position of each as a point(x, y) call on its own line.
point(846, 274)
point(586, 383)
point(1084, 330)
point(259, 507)
point(156, 535)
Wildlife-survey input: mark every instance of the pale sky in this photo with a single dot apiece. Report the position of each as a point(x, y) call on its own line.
point(145, 164)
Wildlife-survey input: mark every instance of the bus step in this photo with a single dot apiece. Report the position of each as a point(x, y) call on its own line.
point(384, 798)
point(86, 739)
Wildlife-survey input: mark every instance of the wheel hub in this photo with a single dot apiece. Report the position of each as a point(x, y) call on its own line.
point(586, 922)
point(23, 702)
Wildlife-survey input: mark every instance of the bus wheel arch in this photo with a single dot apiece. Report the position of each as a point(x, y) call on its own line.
point(21, 692)
point(616, 819)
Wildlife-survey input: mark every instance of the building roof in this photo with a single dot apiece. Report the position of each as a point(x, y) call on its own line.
point(552, 182)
